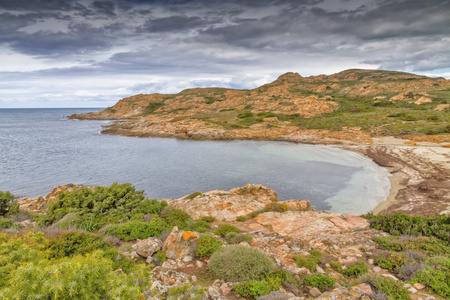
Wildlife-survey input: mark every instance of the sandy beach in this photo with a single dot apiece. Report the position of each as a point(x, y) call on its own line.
point(420, 175)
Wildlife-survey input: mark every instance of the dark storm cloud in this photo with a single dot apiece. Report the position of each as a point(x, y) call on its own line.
point(30, 5)
point(173, 23)
point(230, 43)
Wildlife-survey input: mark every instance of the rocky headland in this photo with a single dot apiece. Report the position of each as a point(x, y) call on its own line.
point(399, 120)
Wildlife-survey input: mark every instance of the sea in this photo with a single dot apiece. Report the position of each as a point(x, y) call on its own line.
point(41, 149)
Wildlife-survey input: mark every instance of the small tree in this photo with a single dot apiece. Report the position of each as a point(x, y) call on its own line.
point(5, 199)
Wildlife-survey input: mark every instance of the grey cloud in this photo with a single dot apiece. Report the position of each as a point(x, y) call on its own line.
point(105, 7)
point(36, 6)
point(173, 23)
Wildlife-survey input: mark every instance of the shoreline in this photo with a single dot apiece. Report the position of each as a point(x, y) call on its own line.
point(419, 173)
point(419, 168)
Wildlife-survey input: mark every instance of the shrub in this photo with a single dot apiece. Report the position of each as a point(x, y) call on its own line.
point(308, 262)
point(353, 270)
point(356, 269)
point(201, 226)
point(26, 273)
point(224, 229)
point(436, 275)
point(252, 289)
point(175, 217)
point(207, 219)
point(6, 223)
point(194, 195)
point(392, 261)
point(280, 274)
point(240, 263)
point(278, 207)
point(408, 271)
point(101, 204)
point(240, 219)
point(320, 281)
point(206, 246)
point(89, 277)
point(186, 292)
point(150, 206)
point(236, 238)
point(72, 243)
point(137, 230)
point(427, 245)
point(393, 289)
point(399, 223)
point(5, 199)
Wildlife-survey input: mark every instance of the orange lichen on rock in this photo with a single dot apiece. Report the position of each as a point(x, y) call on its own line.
point(188, 234)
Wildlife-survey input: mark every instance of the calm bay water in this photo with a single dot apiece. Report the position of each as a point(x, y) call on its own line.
point(41, 149)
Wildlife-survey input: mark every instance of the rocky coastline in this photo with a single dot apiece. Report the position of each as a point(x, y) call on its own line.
point(281, 230)
point(419, 168)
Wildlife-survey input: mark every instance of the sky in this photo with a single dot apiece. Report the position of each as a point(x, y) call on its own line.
point(84, 53)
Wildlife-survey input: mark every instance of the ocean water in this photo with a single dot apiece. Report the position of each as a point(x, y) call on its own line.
point(41, 149)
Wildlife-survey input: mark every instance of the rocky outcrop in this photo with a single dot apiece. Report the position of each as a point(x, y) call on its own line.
point(299, 224)
point(227, 205)
point(36, 205)
point(180, 245)
point(298, 205)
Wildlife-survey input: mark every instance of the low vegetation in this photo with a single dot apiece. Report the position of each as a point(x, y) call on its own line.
point(83, 253)
point(419, 251)
point(240, 263)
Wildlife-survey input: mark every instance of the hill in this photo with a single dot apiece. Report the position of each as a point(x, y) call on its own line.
point(351, 105)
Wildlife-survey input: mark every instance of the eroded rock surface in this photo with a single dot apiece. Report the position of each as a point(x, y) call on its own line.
point(227, 205)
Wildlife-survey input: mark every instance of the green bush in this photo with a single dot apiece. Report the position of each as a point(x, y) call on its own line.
point(399, 223)
point(252, 289)
point(356, 269)
point(6, 223)
point(175, 217)
point(72, 243)
point(27, 273)
point(79, 277)
point(224, 229)
point(207, 219)
point(6, 198)
point(427, 245)
point(240, 219)
point(236, 238)
point(100, 204)
point(310, 261)
point(194, 195)
point(150, 206)
point(201, 226)
point(320, 281)
point(137, 230)
point(240, 263)
point(281, 275)
point(393, 289)
point(392, 261)
point(436, 275)
point(278, 207)
point(206, 246)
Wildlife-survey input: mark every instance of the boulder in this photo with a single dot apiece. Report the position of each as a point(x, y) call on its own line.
point(180, 244)
point(226, 205)
point(310, 223)
point(298, 205)
point(148, 247)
